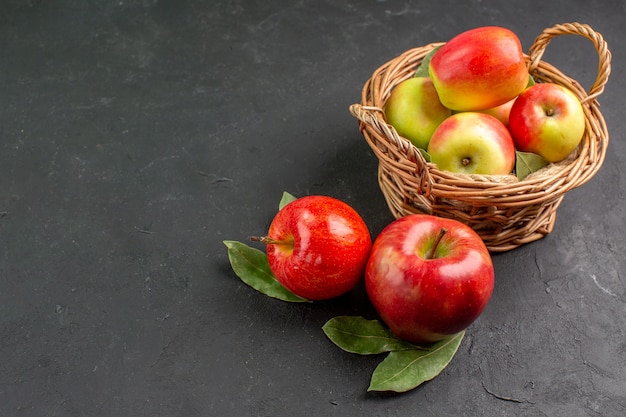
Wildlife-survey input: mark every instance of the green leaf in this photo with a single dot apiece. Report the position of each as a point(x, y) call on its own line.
point(531, 81)
point(286, 199)
point(425, 154)
point(404, 370)
point(526, 163)
point(422, 70)
point(252, 267)
point(365, 337)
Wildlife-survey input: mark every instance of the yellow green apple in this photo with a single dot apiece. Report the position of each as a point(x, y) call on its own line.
point(478, 69)
point(473, 143)
point(547, 119)
point(414, 110)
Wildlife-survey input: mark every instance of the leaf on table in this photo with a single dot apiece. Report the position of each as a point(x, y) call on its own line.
point(252, 267)
point(404, 370)
point(422, 70)
point(356, 334)
point(286, 199)
point(526, 163)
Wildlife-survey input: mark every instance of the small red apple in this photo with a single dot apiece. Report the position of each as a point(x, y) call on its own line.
point(479, 69)
point(317, 247)
point(428, 277)
point(473, 143)
point(547, 119)
point(501, 112)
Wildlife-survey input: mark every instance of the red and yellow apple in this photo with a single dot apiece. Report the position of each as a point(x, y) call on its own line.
point(501, 112)
point(547, 119)
point(473, 143)
point(479, 69)
point(317, 247)
point(414, 110)
point(428, 277)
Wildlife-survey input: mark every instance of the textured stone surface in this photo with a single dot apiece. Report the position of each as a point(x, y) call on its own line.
point(137, 135)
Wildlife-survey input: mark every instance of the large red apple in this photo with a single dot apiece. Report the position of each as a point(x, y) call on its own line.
point(473, 143)
point(479, 69)
point(317, 247)
point(547, 119)
point(428, 277)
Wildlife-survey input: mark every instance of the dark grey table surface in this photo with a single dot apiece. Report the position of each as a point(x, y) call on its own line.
point(137, 135)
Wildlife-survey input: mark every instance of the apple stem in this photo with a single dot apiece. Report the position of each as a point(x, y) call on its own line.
point(433, 249)
point(267, 240)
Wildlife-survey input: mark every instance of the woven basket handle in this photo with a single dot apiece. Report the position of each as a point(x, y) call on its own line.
point(372, 116)
point(368, 114)
point(604, 63)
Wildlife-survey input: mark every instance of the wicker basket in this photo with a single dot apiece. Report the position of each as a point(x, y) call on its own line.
point(504, 211)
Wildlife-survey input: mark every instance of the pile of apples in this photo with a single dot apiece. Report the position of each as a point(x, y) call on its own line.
point(427, 277)
point(472, 105)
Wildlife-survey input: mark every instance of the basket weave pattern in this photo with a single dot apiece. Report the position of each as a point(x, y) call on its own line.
point(504, 211)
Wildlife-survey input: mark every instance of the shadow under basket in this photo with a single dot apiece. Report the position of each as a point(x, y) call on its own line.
point(504, 211)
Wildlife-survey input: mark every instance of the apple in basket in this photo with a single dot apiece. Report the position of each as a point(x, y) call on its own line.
point(547, 119)
point(317, 247)
point(414, 110)
point(428, 277)
point(479, 69)
point(501, 112)
point(473, 143)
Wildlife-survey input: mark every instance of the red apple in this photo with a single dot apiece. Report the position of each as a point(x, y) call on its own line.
point(547, 119)
point(479, 68)
point(317, 247)
point(428, 277)
point(414, 110)
point(472, 143)
point(501, 112)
